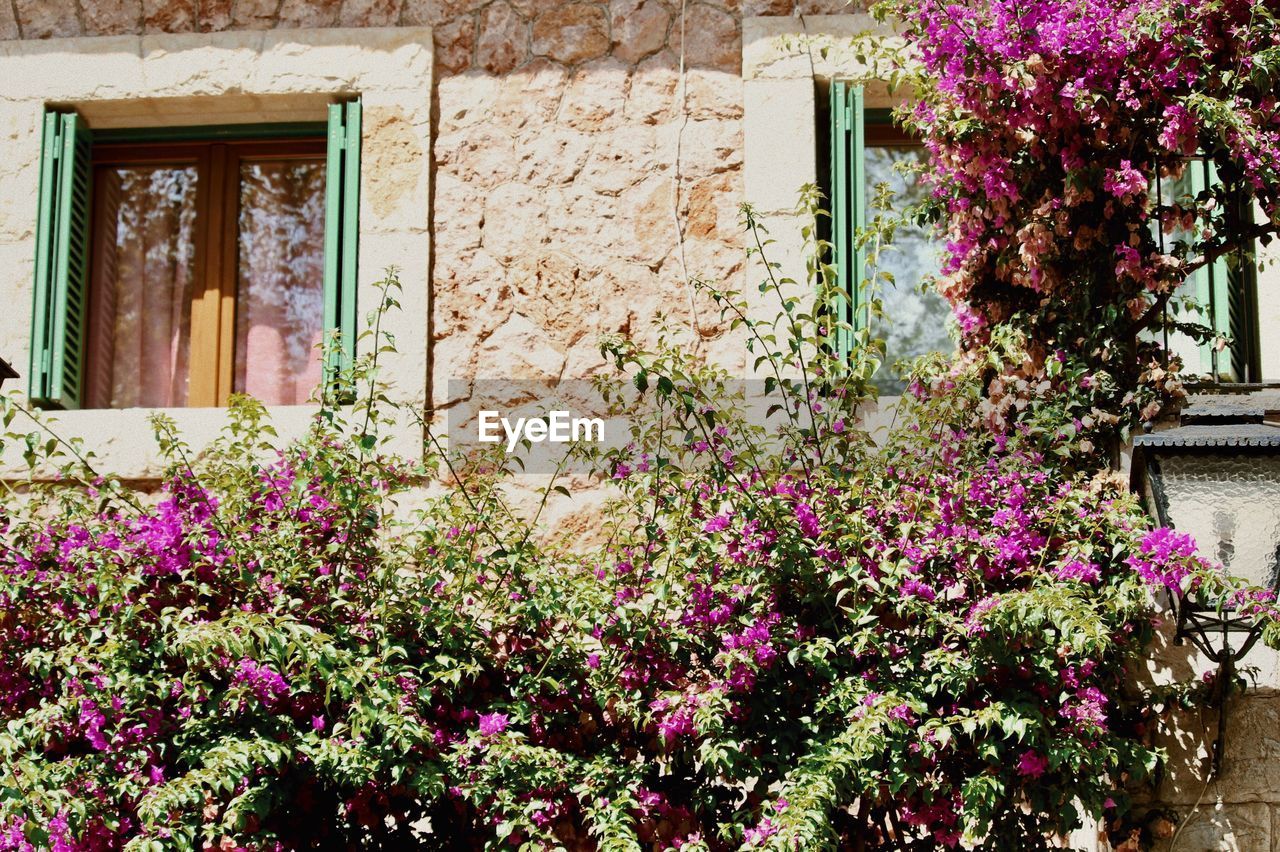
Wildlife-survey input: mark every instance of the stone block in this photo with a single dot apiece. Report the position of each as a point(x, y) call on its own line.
point(596, 95)
point(712, 38)
point(514, 221)
point(551, 158)
point(455, 45)
point(503, 43)
point(631, 155)
point(709, 147)
point(1251, 761)
point(778, 117)
point(46, 18)
point(214, 16)
point(520, 350)
point(308, 14)
point(112, 17)
point(529, 98)
point(1231, 828)
point(433, 13)
point(652, 98)
point(253, 14)
point(370, 13)
point(8, 23)
point(713, 94)
point(639, 28)
point(396, 146)
point(169, 16)
point(480, 155)
point(572, 33)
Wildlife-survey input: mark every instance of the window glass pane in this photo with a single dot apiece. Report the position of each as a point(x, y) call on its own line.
point(280, 300)
point(142, 285)
point(915, 322)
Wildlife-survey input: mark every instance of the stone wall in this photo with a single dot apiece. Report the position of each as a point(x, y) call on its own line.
point(1240, 809)
point(558, 131)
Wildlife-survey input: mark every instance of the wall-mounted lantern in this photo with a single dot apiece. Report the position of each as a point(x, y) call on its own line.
point(1217, 477)
point(6, 372)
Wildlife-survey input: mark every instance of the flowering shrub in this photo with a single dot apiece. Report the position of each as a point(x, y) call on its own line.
point(1049, 125)
point(790, 639)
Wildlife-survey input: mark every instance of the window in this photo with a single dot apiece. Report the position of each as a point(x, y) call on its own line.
point(174, 267)
point(865, 151)
point(1219, 296)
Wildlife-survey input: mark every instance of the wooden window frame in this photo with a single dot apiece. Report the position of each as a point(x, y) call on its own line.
point(213, 307)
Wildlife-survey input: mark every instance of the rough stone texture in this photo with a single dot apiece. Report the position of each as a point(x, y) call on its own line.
point(504, 39)
point(46, 18)
point(305, 14)
point(215, 15)
point(370, 13)
point(8, 23)
point(571, 33)
point(254, 14)
point(169, 16)
point(457, 43)
point(1251, 761)
point(1233, 828)
point(432, 13)
point(713, 39)
point(752, 8)
point(639, 28)
point(111, 17)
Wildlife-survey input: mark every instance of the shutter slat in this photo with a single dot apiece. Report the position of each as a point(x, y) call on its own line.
point(38, 386)
point(350, 229)
point(857, 177)
point(333, 229)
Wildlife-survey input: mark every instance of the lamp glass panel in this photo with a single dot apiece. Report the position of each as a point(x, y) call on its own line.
point(1230, 504)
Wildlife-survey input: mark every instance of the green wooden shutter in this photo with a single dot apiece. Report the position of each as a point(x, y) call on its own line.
point(1226, 299)
point(62, 263)
point(341, 233)
point(848, 206)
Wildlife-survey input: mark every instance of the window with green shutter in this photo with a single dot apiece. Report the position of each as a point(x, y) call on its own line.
point(866, 151)
point(176, 266)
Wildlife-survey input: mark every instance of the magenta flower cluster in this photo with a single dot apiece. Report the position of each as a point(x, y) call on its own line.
point(1061, 137)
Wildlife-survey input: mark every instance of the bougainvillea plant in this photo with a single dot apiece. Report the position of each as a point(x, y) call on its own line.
point(1055, 131)
point(788, 636)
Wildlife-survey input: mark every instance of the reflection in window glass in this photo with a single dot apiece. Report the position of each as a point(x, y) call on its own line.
point(280, 303)
point(915, 322)
point(142, 286)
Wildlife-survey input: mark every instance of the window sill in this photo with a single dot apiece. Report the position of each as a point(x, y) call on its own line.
point(123, 442)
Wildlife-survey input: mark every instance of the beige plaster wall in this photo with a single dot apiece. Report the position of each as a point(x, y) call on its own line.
point(154, 80)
